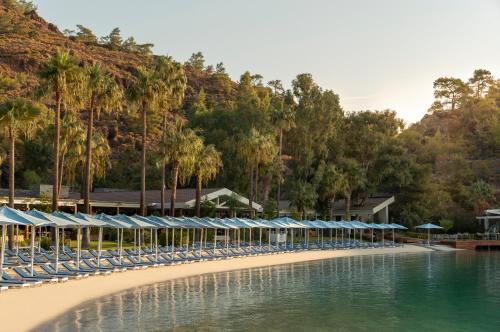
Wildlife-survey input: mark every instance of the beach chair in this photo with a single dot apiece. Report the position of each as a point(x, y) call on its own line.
point(26, 275)
point(91, 266)
point(50, 270)
point(6, 277)
point(83, 270)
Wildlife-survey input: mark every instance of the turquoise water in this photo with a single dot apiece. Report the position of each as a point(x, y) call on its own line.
point(402, 292)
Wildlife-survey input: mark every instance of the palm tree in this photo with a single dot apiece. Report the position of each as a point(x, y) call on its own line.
point(354, 179)
point(256, 148)
point(207, 165)
point(182, 147)
point(283, 117)
point(144, 92)
point(104, 94)
point(17, 116)
point(334, 182)
point(173, 86)
point(57, 75)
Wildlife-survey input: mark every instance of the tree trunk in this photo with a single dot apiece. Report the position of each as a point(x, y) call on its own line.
point(348, 206)
point(278, 191)
point(163, 168)
point(61, 171)
point(12, 159)
point(175, 175)
point(88, 157)
point(198, 196)
point(266, 183)
point(143, 162)
point(250, 195)
point(332, 202)
point(57, 133)
point(257, 183)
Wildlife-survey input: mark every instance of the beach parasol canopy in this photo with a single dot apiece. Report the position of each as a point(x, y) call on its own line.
point(428, 227)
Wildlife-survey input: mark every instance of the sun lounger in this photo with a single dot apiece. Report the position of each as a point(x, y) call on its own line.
point(74, 269)
point(6, 277)
point(24, 274)
point(49, 269)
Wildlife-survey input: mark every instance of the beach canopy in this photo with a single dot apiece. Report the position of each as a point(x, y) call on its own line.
point(10, 216)
point(429, 226)
point(53, 220)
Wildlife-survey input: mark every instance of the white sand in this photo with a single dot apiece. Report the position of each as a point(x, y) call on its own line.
point(25, 309)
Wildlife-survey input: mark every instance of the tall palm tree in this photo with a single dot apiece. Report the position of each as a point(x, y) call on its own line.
point(207, 165)
point(172, 89)
point(256, 148)
point(354, 179)
point(334, 183)
point(283, 117)
point(17, 116)
point(144, 92)
point(182, 147)
point(103, 94)
point(57, 75)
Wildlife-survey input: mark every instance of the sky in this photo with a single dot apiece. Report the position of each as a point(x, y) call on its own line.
point(375, 54)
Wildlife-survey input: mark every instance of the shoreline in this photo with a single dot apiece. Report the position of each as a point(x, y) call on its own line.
point(27, 309)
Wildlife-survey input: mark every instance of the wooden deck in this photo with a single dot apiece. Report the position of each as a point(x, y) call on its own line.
point(472, 244)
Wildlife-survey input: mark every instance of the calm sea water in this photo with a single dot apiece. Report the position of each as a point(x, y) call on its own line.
point(402, 292)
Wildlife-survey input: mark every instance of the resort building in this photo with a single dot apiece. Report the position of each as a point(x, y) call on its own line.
point(490, 221)
point(223, 200)
point(375, 209)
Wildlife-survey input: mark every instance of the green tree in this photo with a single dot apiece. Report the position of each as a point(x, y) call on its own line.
point(85, 35)
point(182, 147)
point(17, 116)
point(102, 93)
point(480, 82)
point(58, 74)
point(207, 165)
point(354, 180)
point(303, 195)
point(480, 192)
point(113, 40)
point(331, 183)
point(172, 86)
point(144, 92)
point(450, 91)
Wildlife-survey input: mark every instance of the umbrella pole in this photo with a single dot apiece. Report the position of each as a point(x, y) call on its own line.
point(135, 240)
point(180, 245)
point(194, 238)
point(173, 241)
point(215, 239)
point(151, 240)
point(39, 239)
point(201, 240)
point(63, 241)
point(383, 238)
point(250, 232)
point(57, 249)
point(429, 237)
point(393, 239)
point(156, 244)
point(260, 239)
point(78, 248)
point(121, 246)
point(99, 249)
point(33, 234)
point(187, 242)
point(17, 239)
point(4, 229)
point(292, 231)
point(166, 238)
point(322, 238)
point(118, 240)
point(269, 239)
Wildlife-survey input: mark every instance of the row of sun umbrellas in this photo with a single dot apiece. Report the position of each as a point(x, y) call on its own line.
point(60, 220)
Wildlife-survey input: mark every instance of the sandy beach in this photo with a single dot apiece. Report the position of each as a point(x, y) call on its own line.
point(25, 309)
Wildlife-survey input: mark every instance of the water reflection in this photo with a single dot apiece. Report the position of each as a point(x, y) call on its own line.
point(431, 292)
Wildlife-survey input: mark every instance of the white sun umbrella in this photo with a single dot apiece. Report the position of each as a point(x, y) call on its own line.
point(428, 227)
point(229, 226)
point(56, 222)
point(82, 223)
point(120, 226)
point(9, 216)
point(136, 224)
point(97, 223)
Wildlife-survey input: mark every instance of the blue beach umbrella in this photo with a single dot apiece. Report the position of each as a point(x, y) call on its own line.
point(428, 227)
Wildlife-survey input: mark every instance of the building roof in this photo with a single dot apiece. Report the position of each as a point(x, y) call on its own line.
point(371, 205)
point(185, 198)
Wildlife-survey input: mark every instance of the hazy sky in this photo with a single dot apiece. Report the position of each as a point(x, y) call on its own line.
point(375, 54)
